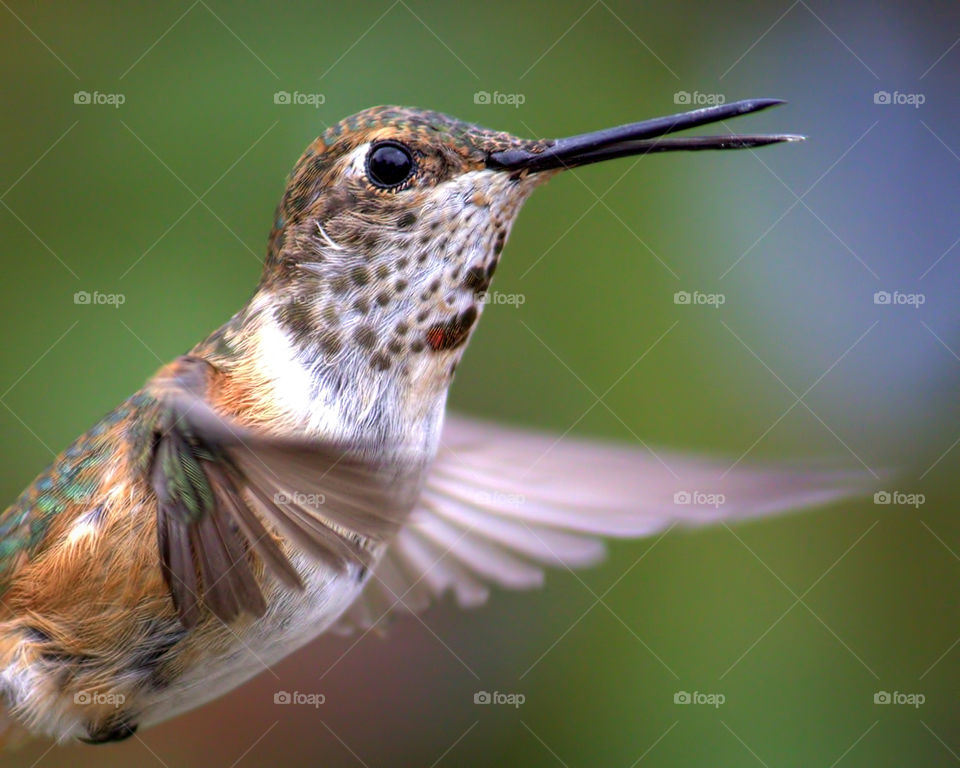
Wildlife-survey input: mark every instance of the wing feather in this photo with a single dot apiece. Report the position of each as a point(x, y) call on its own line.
point(500, 505)
point(223, 489)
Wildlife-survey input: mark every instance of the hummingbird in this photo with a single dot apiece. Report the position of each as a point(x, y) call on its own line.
point(295, 473)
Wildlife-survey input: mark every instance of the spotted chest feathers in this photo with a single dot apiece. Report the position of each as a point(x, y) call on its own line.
point(387, 309)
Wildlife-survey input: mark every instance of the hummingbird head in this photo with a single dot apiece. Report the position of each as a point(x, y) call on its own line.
point(392, 224)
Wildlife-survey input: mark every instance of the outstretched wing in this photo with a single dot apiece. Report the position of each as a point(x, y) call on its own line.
point(223, 489)
point(500, 505)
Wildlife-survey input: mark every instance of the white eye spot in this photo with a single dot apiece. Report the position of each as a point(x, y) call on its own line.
point(357, 160)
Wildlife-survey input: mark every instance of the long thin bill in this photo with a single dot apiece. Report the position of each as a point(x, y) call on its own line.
point(641, 138)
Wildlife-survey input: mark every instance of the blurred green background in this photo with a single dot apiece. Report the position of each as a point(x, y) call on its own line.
point(167, 199)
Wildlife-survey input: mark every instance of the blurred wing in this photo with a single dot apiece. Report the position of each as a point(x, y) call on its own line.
point(500, 505)
point(222, 489)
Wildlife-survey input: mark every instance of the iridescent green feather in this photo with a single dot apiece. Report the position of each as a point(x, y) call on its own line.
point(71, 481)
point(180, 455)
point(74, 478)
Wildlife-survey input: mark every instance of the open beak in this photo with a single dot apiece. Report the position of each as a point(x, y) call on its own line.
point(638, 139)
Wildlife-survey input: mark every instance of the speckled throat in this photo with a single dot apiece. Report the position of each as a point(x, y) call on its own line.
point(372, 286)
point(384, 320)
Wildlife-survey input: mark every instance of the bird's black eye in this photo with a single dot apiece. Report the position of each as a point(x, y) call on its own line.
point(389, 164)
